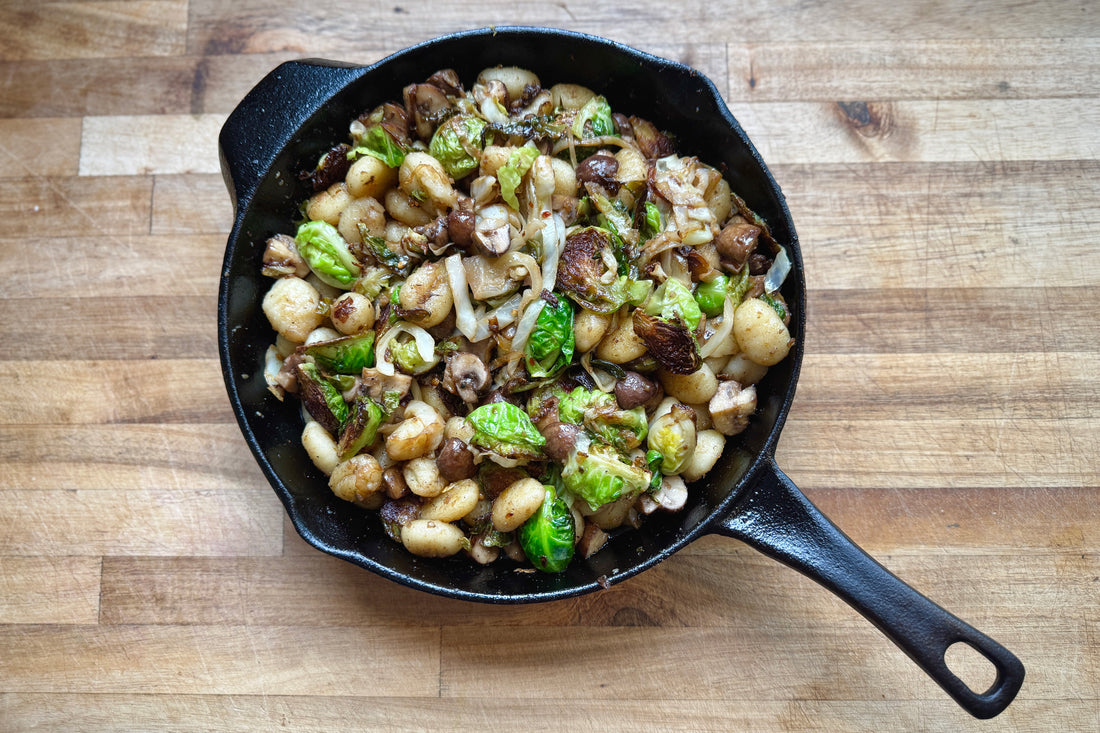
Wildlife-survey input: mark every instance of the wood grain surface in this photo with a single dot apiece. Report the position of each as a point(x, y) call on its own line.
point(942, 164)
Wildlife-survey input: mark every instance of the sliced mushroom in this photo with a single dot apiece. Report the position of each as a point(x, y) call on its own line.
point(281, 258)
point(492, 233)
point(731, 407)
point(376, 384)
point(426, 105)
point(465, 375)
point(447, 80)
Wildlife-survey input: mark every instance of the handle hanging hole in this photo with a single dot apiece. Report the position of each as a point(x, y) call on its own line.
point(970, 666)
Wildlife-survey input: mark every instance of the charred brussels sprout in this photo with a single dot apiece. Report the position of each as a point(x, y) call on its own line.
point(547, 537)
point(365, 418)
point(588, 273)
point(321, 398)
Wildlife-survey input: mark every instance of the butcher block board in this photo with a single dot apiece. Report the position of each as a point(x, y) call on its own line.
point(941, 164)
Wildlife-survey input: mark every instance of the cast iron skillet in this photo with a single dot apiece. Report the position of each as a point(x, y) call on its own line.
point(302, 108)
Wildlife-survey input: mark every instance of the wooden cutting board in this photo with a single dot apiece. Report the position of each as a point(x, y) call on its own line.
point(941, 164)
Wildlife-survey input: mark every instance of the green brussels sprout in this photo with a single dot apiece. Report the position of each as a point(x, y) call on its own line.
point(511, 173)
point(672, 301)
point(711, 296)
point(549, 348)
point(738, 286)
point(456, 144)
point(327, 254)
point(653, 461)
point(547, 537)
point(673, 436)
point(598, 475)
point(506, 430)
point(345, 355)
point(650, 225)
point(361, 428)
point(605, 420)
point(378, 143)
point(594, 119)
point(406, 356)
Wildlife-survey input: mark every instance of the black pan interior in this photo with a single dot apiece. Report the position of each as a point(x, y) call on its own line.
point(674, 97)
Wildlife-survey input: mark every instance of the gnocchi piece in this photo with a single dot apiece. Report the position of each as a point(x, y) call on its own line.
point(352, 313)
point(694, 388)
point(709, 445)
point(370, 177)
point(293, 307)
point(516, 504)
point(761, 333)
point(422, 477)
point(358, 480)
point(427, 291)
point(320, 447)
point(589, 328)
point(327, 205)
point(432, 538)
point(418, 434)
point(362, 214)
point(621, 344)
point(423, 178)
point(456, 501)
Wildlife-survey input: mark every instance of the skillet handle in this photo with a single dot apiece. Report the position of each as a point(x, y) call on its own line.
point(777, 519)
point(270, 114)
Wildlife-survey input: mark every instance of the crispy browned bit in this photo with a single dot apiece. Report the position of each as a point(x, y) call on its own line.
point(332, 168)
point(396, 514)
point(652, 142)
point(671, 344)
point(759, 263)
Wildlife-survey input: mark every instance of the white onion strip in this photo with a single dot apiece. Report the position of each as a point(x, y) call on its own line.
point(425, 345)
point(526, 325)
point(778, 272)
point(465, 318)
point(723, 335)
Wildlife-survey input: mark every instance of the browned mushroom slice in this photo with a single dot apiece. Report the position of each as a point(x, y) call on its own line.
point(652, 142)
point(281, 258)
point(731, 407)
point(427, 105)
point(671, 344)
point(447, 80)
point(466, 376)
